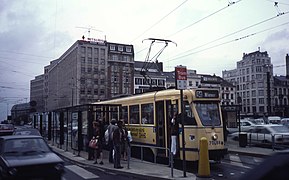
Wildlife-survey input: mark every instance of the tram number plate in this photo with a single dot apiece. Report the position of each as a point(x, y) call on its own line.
point(215, 142)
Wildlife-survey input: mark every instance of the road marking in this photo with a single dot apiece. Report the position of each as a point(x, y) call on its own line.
point(81, 172)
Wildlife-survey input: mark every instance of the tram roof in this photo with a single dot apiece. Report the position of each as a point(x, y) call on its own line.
point(169, 93)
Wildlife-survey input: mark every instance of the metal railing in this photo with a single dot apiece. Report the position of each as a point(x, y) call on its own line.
point(275, 141)
point(171, 159)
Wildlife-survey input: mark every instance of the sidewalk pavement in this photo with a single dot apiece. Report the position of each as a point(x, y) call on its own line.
point(147, 170)
point(137, 168)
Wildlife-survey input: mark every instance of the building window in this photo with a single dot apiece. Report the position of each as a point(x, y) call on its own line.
point(82, 69)
point(253, 93)
point(89, 61)
point(128, 49)
point(95, 61)
point(82, 59)
point(89, 52)
point(112, 47)
point(138, 81)
point(153, 82)
point(114, 57)
point(161, 82)
point(258, 69)
point(258, 76)
point(95, 91)
point(261, 100)
point(82, 50)
point(89, 70)
point(120, 48)
point(102, 53)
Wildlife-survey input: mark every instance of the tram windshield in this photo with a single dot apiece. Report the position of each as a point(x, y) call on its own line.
point(208, 113)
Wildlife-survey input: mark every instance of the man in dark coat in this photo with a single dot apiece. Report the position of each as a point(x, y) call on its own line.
point(117, 143)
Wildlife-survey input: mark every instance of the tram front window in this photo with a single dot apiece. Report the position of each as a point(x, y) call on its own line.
point(209, 113)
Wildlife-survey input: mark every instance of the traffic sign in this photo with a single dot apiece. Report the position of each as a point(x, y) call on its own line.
point(181, 77)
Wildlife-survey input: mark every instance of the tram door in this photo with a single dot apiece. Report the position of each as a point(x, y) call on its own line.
point(171, 109)
point(160, 131)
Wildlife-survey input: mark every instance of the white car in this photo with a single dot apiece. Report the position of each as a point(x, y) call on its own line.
point(246, 125)
point(260, 134)
point(285, 121)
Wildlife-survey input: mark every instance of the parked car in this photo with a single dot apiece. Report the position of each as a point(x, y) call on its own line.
point(246, 125)
point(274, 120)
point(262, 134)
point(285, 121)
point(258, 121)
point(28, 157)
point(27, 131)
point(6, 129)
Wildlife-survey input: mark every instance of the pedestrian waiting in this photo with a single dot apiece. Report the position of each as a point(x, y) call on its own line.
point(117, 143)
point(110, 130)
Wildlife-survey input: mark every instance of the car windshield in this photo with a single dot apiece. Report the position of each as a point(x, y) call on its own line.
point(209, 113)
point(280, 129)
point(13, 146)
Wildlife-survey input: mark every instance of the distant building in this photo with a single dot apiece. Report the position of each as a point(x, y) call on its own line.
point(148, 76)
point(281, 96)
point(37, 92)
point(254, 83)
point(89, 71)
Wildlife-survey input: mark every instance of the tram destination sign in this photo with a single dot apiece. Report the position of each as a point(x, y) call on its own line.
point(207, 94)
point(181, 77)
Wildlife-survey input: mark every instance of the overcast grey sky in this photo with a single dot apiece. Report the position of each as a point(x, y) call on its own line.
point(211, 35)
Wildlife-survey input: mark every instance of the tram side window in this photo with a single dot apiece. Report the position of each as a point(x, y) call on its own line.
point(134, 114)
point(189, 118)
point(147, 113)
point(124, 114)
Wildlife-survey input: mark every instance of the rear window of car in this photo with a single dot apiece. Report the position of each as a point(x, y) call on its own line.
point(6, 126)
point(25, 144)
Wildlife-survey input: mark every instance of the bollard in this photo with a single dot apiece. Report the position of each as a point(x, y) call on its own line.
point(204, 165)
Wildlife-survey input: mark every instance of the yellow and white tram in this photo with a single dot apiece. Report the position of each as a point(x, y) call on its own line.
point(148, 118)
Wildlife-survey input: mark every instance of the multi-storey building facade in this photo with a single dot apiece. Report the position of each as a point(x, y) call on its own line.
point(254, 83)
point(89, 71)
point(281, 92)
point(37, 92)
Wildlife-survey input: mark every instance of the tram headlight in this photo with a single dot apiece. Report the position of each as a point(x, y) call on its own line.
point(214, 137)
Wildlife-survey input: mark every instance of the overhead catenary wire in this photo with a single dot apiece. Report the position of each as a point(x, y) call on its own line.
point(227, 42)
point(228, 35)
point(194, 23)
point(198, 21)
point(159, 21)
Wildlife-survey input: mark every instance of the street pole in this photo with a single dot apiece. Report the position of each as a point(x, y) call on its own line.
point(268, 93)
point(183, 133)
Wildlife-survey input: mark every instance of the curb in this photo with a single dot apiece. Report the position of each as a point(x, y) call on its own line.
point(105, 169)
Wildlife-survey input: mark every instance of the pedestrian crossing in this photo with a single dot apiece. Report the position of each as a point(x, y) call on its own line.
point(243, 161)
point(84, 174)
